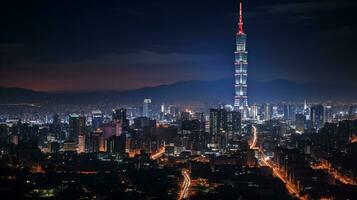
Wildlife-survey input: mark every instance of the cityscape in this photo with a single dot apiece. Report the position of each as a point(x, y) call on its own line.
point(67, 135)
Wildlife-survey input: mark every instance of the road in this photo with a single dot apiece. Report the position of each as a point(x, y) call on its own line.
point(334, 173)
point(255, 138)
point(292, 189)
point(184, 192)
point(264, 161)
point(158, 154)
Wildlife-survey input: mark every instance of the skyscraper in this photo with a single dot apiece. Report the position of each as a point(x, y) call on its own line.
point(267, 113)
point(119, 115)
point(77, 126)
point(254, 112)
point(289, 112)
point(218, 126)
point(233, 121)
point(300, 121)
point(146, 107)
point(218, 121)
point(81, 143)
point(317, 116)
point(97, 119)
point(241, 65)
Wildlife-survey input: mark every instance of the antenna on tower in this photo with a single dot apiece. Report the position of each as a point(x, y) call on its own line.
point(240, 31)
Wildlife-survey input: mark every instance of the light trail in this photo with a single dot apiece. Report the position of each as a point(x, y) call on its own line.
point(158, 154)
point(255, 138)
point(184, 192)
point(326, 166)
point(292, 189)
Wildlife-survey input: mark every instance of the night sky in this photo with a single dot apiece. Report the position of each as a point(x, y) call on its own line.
point(71, 45)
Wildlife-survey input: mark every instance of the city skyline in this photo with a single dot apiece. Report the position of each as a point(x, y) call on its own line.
point(121, 45)
point(203, 124)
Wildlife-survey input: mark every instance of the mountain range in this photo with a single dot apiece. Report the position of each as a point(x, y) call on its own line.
point(220, 91)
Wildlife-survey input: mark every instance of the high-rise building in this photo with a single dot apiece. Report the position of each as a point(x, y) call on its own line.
point(300, 121)
point(218, 127)
point(81, 143)
point(55, 127)
point(116, 144)
point(317, 116)
point(97, 119)
point(267, 113)
point(218, 121)
point(233, 121)
point(56, 119)
point(254, 112)
point(241, 67)
point(201, 118)
point(119, 115)
point(146, 107)
point(162, 108)
point(96, 142)
point(185, 116)
point(77, 126)
point(289, 112)
point(54, 147)
point(328, 114)
point(306, 111)
point(189, 129)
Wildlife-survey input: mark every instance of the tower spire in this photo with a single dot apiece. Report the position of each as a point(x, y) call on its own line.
point(240, 31)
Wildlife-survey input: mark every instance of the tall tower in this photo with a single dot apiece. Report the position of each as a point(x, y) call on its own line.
point(241, 66)
point(146, 107)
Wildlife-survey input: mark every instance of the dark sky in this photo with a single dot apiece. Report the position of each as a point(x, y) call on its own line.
point(122, 44)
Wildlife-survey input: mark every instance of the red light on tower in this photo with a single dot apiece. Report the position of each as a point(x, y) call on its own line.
point(240, 31)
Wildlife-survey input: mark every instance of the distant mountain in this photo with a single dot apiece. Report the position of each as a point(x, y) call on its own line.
point(20, 95)
point(192, 91)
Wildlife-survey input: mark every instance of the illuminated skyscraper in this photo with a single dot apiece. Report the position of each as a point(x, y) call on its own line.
point(267, 113)
point(317, 116)
point(97, 119)
point(146, 107)
point(81, 143)
point(241, 65)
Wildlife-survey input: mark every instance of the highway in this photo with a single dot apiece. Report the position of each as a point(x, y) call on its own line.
point(184, 192)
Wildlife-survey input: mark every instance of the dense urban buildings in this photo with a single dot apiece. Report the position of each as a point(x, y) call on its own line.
point(198, 153)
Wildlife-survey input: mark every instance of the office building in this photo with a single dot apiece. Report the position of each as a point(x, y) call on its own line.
point(146, 108)
point(97, 119)
point(317, 116)
point(77, 126)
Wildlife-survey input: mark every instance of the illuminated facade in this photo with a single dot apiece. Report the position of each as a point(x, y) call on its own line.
point(81, 144)
point(241, 66)
point(146, 107)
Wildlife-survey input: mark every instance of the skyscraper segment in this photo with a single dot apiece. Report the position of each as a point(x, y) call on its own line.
point(241, 66)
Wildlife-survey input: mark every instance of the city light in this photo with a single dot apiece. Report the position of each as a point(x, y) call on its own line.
point(128, 100)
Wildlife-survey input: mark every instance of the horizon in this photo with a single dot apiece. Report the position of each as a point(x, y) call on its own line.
point(174, 83)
